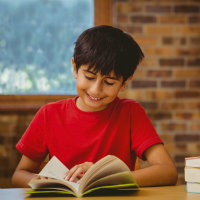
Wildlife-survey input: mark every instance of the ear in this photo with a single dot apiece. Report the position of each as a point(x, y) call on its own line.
point(125, 84)
point(74, 68)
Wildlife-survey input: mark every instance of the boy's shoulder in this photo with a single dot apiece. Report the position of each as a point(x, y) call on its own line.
point(60, 104)
point(130, 104)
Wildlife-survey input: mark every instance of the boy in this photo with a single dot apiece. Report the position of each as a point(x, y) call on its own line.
point(82, 130)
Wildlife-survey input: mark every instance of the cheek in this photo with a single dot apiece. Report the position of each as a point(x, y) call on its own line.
point(81, 83)
point(113, 91)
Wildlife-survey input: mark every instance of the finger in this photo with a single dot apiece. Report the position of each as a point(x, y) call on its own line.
point(70, 172)
point(76, 174)
point(79, 180)
point(79, 176)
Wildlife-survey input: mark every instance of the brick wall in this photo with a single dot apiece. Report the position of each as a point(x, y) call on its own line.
point(167, 83)
point(16, 112)
point(12, 125)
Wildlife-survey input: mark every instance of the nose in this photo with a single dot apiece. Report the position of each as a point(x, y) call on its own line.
point(96, 88)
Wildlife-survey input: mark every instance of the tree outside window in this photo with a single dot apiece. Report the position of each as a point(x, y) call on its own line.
point(36, 44)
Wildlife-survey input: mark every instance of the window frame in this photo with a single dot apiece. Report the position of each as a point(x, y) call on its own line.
point(31, 103)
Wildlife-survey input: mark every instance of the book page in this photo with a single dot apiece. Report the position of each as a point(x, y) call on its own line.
point(113, 179)
point(104, 167)
point(54, 184)
point(54, 169)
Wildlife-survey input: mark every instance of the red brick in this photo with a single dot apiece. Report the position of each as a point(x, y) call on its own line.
point(159, 115)
point(180, 158)
point(188, 51)
point(159, 30)
point(143, 84)
point(159, 95)
point(194, 83)
point(187, 94)
point(180, 170)
point(194, 62)
point(195, 40)
point(7, 119)
point(159, 73)
point(181, 147)
point(173, 126)
point(194, 19)
point(174, 105)
point(139, 73)
point(186, 9)
point(187, 138)
point(172, 40)
point(167, 40)
point(158, 9)
point(8, 130)
point(132, 29)
point(149, 62)
point(187, 116)
point(194, 127)
point(133, 94)
point(157, 51)
point(182, 40)
point(187, 73)
point(149, 105)
point(146, 41)
point(143, 19)
point(173, 84)
point(173, 19)
point(122, 18)
point(171, 62)
point(125, 7)
point(194, 105)
point(187, 30)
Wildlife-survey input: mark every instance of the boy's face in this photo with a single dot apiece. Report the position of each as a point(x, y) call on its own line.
point(95, 91)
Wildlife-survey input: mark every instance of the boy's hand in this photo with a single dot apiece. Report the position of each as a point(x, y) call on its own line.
point(77, 171)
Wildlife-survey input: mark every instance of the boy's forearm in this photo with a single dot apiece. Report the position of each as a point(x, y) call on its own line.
point(21, 178)
point(156, 175)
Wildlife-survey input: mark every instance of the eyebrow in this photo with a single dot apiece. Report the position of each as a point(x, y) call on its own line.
point(86, 70)
point(110, 77)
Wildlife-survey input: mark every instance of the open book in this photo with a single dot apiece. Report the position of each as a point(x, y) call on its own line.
point(108, 172)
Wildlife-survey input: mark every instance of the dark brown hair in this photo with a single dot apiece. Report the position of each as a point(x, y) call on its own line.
point(107, 48)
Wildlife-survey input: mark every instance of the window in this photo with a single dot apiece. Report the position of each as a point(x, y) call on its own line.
point(36, 44)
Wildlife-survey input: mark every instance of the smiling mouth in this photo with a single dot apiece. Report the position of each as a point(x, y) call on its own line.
point(94, 98)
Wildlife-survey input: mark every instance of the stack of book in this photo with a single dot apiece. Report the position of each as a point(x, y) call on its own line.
point(192, 174)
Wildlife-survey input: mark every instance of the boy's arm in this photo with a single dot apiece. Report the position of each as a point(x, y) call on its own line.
point(25, 171)
point(161, 171)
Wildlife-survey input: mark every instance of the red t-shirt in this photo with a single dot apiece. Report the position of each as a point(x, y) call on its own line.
point(123, 129)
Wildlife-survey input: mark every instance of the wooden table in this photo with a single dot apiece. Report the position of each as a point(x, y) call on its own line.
point(150, 193)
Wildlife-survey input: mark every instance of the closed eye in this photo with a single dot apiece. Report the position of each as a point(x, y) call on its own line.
point(89, 78)
point(108, 83)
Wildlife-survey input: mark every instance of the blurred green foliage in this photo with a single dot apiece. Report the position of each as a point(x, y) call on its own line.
point(36, 44)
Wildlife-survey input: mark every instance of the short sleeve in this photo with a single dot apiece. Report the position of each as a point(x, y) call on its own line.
point(33, 142)
point(143, 134)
